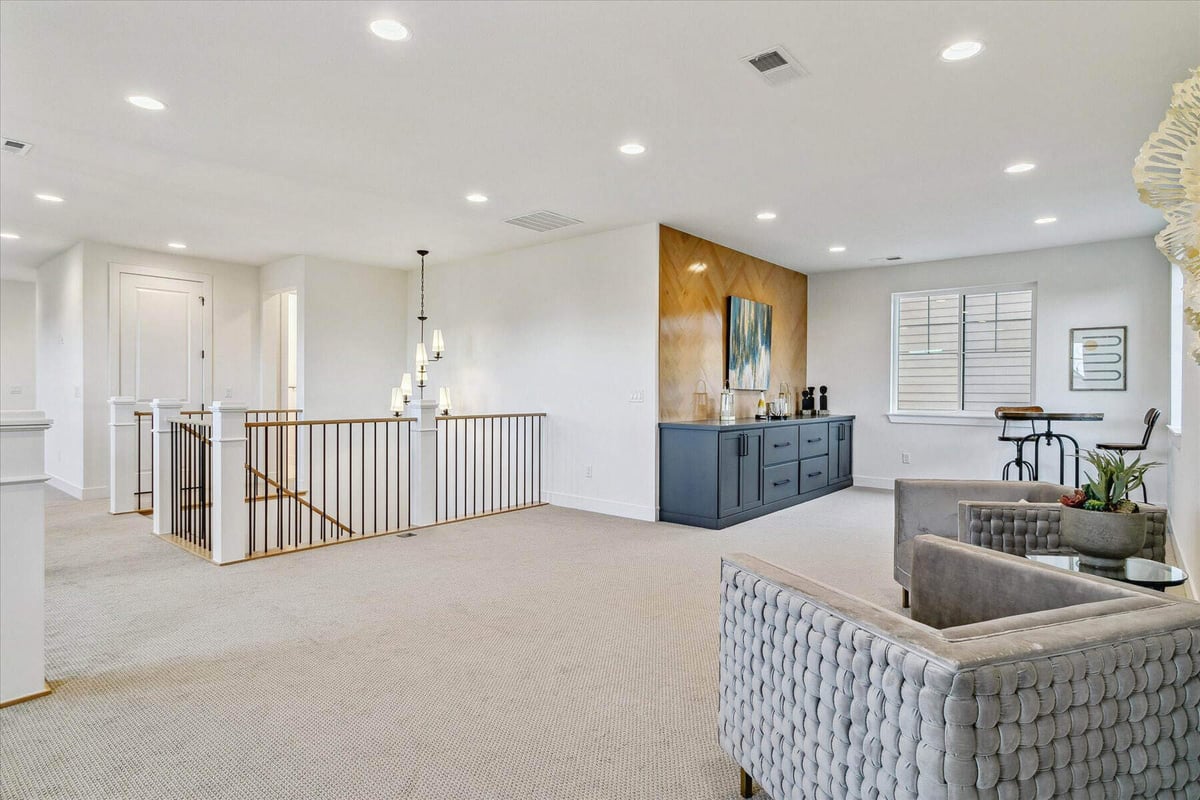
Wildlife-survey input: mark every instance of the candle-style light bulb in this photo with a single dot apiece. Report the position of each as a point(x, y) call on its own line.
point(439, 344)
point(406, 386)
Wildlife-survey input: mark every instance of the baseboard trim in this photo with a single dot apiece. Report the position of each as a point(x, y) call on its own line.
point(868, 482)
point(613, 508)
point(1193, 577)
point(24, 698)
point(78, 492)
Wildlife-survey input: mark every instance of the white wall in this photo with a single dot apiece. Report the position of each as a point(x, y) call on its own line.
point(60, 365)
point(1123, 282)
point(354, 338)
point(1185, 449)
point(569, 328)
point(351, 334)
point(18, 345)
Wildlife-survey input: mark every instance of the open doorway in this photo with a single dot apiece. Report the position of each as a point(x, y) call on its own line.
point(280, 352)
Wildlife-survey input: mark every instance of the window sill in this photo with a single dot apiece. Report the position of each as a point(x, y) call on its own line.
point(1175, 436)
point(980, 419)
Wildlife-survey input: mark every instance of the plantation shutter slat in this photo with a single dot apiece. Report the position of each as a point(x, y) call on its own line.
point(928, 363)
point(968, 351)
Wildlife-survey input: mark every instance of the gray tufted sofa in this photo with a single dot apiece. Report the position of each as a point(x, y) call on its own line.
point(1012, 680)
point(990, 514)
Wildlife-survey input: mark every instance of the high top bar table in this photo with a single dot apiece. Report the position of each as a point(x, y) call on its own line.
point(1048, 436)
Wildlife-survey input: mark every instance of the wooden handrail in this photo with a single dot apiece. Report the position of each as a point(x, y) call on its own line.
point(296, 422)
point(493, 416)
point(274, 410)
point(293, 495)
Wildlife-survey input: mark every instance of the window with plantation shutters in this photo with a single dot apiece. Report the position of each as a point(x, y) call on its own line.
point(963, 350)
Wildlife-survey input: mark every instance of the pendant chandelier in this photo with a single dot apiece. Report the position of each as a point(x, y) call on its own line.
point(402, 395)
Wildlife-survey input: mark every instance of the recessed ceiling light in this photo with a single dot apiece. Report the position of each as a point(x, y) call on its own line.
point(1045, 220)
point(177, 245)
point(838, 248)
point(9, 236)
point(477, 198)
point(960, 51)
point(148, 103)
point(391, 30)
point(49, 198)
point(1019, 167)
point(633, 149)
point(766, 215)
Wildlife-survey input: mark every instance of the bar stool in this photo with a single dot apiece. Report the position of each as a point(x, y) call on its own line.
point(1019, 440)
point(1151, 419)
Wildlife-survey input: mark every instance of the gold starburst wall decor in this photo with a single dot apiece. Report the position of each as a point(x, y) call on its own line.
point(1167, 175)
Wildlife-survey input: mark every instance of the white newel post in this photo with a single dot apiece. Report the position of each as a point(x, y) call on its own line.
point(230, 527)
point(22, 555)
point(164, 411)
point(122, 455)
point(424, 464)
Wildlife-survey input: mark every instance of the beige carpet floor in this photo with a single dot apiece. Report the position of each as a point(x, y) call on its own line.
point(548, 653)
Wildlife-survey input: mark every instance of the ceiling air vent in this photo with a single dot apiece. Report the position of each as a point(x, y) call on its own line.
point(16, 146)
point(542, 221)
point(776, 65)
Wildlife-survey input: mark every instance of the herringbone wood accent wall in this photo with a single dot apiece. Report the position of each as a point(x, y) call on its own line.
point(692, 325)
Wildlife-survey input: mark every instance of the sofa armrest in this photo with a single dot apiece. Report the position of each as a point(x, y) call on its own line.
point(959, 585)
point(925, 506)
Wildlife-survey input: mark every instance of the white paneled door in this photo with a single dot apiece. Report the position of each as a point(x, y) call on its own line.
point(162, 328)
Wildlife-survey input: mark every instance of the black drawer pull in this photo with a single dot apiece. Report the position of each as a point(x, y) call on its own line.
point(783, 482)
point(813, 441)
point(784, 444)
point(814, 474)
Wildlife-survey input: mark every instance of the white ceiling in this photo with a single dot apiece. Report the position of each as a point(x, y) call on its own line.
point(291, 129)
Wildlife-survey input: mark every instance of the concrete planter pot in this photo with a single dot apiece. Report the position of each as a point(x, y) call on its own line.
point(1102, 538)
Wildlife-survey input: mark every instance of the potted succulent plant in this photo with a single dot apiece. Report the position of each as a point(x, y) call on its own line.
point(1099, 520)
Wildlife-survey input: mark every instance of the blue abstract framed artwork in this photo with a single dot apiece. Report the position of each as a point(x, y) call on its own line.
point(749, 344)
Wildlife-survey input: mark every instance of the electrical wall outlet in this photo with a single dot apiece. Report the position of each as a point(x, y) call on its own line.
point(78, 391)
point(16, 390)
point(229, 394)
point(637, 396)
point(905, 458)
point(587, 471)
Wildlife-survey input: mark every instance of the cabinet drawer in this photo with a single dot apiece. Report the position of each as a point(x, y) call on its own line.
point(781, 482)
point(781, 445)
point(814, 439)
point(814, 473)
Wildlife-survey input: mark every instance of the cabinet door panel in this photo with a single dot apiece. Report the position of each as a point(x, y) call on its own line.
point(752, 467)
point(729, 458)
point(843, 468)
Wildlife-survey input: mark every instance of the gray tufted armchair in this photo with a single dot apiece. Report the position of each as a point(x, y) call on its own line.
point(1011, 680)
point(1015, 517)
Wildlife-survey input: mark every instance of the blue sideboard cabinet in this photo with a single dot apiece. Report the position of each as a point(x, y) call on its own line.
point(716, 474)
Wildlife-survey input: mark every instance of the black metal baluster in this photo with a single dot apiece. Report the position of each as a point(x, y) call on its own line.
point(375, 475)
point(362, 442)
point(408, 469)
point(387, 483)
point(266, 472)
point(337, 432)
point(308, 429)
